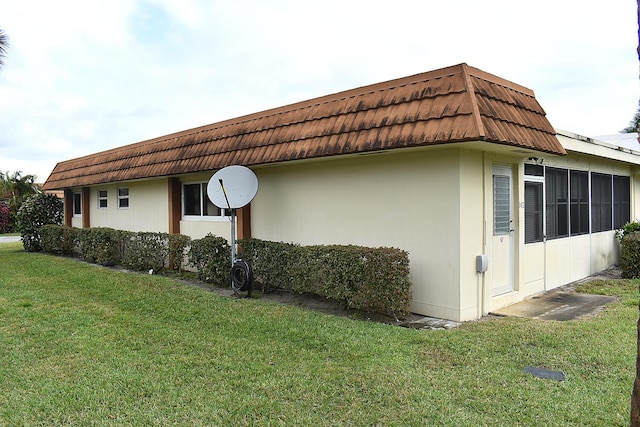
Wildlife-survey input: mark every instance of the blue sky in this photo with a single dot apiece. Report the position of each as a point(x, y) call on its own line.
point(84, 76)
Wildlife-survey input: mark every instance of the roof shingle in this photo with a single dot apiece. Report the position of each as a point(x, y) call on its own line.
point(454, 104)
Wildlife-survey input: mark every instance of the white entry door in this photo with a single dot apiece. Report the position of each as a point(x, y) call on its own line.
point(503, 231)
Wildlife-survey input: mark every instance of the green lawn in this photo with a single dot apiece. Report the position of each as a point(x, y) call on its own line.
point(86, 345)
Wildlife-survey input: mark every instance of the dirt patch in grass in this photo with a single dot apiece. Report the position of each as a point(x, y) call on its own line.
point(612, 273)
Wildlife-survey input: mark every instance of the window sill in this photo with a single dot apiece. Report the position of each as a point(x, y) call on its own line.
point(190, 218)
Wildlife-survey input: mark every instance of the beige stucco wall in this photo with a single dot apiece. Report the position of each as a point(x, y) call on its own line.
point(148, 207)
point(435, 203)
point(197, 229)
point(149, 210)
point(472, 210)
point(410, 200)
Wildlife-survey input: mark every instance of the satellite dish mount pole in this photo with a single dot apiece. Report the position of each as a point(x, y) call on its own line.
point(233, 223)
point(242, 186)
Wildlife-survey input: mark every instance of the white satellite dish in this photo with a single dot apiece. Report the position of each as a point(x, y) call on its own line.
point(232, 187)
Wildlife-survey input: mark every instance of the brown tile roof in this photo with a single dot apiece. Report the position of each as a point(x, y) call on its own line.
point(454, 104)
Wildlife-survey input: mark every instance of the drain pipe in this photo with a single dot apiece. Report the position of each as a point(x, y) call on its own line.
point(483, 262)
point(480, 299)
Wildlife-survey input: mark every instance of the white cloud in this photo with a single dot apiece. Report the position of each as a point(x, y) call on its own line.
point(85, 76)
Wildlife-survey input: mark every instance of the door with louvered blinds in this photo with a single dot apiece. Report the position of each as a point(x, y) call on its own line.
point(502, 260)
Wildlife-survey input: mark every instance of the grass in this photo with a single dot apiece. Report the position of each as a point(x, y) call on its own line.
point(86, 345)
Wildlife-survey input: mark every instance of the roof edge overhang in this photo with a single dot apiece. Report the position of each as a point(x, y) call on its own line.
point(477, 144)
point(576, 143)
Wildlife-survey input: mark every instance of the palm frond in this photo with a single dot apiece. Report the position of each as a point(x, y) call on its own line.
point(4, 44)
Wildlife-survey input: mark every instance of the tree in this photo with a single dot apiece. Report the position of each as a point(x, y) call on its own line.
point(14, 188)
point(36, 211)
point(4, 44)
point(634, 124)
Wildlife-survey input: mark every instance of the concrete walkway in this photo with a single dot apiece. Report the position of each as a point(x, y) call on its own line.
point(9, 239)
point(557, 305)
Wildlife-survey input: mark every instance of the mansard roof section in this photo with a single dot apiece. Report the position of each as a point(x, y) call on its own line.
point(454, 104)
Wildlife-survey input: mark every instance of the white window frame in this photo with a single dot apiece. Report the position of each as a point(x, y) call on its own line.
point(122, 198)
point(104, 199)
point(201, 217)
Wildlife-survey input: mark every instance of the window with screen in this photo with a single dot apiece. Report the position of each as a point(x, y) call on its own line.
point(102, 199)
point(123, 198)
point(579, 209)
point(557, 203)
point(601, 202)
point(621, 201)
point(533, 212)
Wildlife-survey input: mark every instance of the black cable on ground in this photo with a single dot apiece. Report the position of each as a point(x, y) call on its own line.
point(241, 276)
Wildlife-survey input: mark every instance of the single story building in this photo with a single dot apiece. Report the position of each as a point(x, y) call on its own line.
point(449, 165)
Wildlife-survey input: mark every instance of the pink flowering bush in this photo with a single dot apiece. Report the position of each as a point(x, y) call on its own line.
point(4, 218)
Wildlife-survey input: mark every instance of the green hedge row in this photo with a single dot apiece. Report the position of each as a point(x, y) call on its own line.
point(141, 251)
point(369, 279)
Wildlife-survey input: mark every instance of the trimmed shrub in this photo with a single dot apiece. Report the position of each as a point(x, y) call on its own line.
point(36, 211)
point(630, 256)
point(370, 279)
point(178, 244)
point(276, 265)
point(211, 256)
point(145, 250)
point(57, 239)
point(101, 245)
